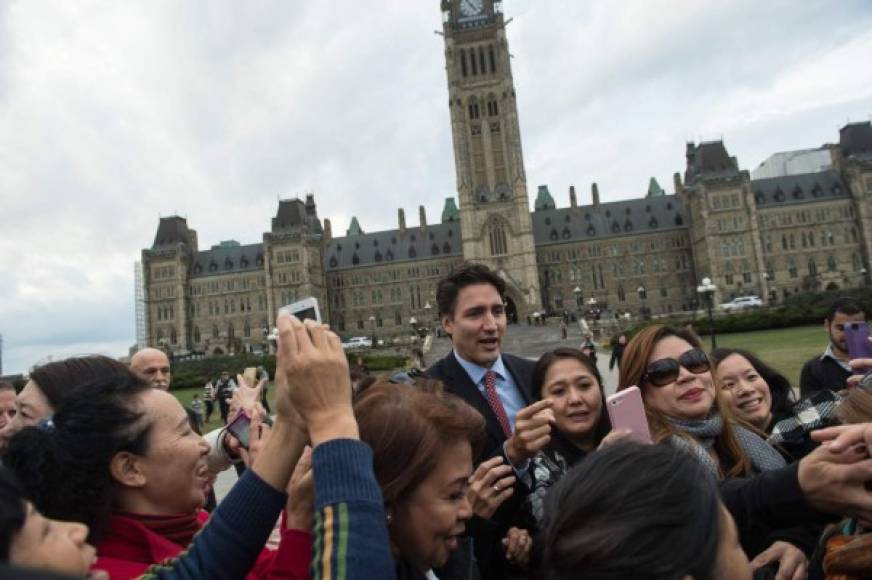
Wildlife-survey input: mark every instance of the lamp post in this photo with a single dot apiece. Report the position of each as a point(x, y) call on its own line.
point(413, 322)
point(642, 295)
point(865, 273)
point(594, 315)
point(579, 299)
point(372, 330)
point(707, 289)
point(427, 318)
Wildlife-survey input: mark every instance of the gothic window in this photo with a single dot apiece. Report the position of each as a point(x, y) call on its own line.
point(831, 263)
point(554, 235)
point(434, 249)
point(243, 263)
point(213, 267)
point(622, 296)
point(231, 334)
point(196, 334)
point(446, 248)
point(497, 237)
point(173, 337)
point(566, 233)
point(812, 267)
point(412, 252)
point(377, 257)
point(591, 231)
point(779, 195)
point(333, 262)
point(463, 62)
point(653, 223)
point(473, 62)
point(247, 328)
point(679, 220)
point(355, 259)
point(628, 225)
point(481, 60)
point(616, 228)
point(228, 264)
point(791, 268)
point(389, 255)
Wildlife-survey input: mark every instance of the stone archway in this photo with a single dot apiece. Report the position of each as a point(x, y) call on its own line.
point(511, 311)
point(217, 351)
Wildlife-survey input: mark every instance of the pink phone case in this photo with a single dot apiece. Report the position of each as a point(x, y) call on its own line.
point(626, 411)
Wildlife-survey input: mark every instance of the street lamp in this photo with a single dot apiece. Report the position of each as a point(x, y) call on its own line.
point(642, 295)
point(594, 314)
point(707, 289)
point(579, 299)
point(865, 273)
point(372, 329)
point(428, 321)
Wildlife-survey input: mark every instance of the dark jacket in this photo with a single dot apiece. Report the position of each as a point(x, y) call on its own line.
point(821, 373)
point(460, 566)
point(457, 382)
point(617, 355)
point(488, 534)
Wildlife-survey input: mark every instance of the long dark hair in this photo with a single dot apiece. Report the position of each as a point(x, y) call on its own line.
point(64, 464)
point(779, 387)
point(633, 511)
point(562, 353)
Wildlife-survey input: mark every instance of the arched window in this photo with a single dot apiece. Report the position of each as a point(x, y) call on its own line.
point(215, 332)
point(812, 267)
point(196, 334)
point(173, 337)
point(231, 334)
point(622, 296)
point(831, 263)
point(497, 235)
point(247, 328)
point(481, 60)
point(493, 60)
point(463, 62)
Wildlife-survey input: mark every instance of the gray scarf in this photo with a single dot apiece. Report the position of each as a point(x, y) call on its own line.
point(704, 432)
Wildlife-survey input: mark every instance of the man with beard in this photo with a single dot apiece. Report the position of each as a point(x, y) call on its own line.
point(831, 369)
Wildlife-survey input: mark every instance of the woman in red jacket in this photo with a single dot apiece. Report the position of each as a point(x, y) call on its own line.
point(121, 457)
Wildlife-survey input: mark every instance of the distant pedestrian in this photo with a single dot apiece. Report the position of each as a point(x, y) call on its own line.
point(618, 352)
point(197, 408)
point(209, 400)
point(588, 347)
point(563, 329)
point(223, 391)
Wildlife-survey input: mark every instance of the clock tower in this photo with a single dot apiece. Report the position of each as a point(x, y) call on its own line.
point(491, 184)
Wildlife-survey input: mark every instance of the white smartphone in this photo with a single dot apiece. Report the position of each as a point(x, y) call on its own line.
point(626, 411)
point(303, 309)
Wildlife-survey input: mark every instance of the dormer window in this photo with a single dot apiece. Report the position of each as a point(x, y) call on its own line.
point(412, 253)
point(446, 248)
point(355, 259)
point(591, 231)
point(653, 223)
point(228, 264)
point(333, 262)
point(554, 235)
point(434, 249)
point(628, 226)
point(679, 220)
point(616, 228)
point(566, 233)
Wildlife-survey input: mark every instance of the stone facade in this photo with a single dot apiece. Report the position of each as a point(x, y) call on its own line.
point(771, 237)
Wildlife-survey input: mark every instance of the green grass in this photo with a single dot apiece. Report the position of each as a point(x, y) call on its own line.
point(785, 349)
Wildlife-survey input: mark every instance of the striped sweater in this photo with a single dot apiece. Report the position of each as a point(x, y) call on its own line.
point(351, 537)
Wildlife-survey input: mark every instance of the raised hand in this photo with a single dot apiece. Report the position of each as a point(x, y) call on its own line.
point(532, 431)
point(317, 381)
point(518, 544)
point(489, 486)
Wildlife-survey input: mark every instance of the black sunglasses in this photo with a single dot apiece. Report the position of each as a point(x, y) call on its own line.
point(666, 370)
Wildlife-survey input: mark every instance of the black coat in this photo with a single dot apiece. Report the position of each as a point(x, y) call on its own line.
point(457, 382)
point(489, 533)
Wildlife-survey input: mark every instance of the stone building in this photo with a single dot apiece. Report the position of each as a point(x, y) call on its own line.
point(771, 237)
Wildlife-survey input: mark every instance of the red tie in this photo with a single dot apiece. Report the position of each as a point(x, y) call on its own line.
point(493, 399)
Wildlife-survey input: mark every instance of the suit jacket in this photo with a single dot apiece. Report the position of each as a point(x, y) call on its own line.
point(489, 533)
point(457, 382)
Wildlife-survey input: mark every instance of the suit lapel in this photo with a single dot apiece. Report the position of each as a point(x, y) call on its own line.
point(461, 385)
point(521, 379)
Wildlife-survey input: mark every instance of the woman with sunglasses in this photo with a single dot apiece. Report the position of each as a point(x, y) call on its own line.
point(684, 410)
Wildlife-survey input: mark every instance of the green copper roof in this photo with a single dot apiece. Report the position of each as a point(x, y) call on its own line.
point(354, 228)
point(544, 199)
point(654, 188)
point(450, 212)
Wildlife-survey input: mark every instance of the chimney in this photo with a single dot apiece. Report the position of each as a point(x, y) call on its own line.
point(594, 190)
point(194, 241)
point(401, 218)
point(422, 216)
point(328, 230)
point(676, 181)
point(573, 201)
point(310, 204)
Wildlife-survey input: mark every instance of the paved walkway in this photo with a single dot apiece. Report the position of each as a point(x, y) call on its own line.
point(521, 340)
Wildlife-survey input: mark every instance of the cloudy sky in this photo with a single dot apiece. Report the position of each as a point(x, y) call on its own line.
point(115, 113)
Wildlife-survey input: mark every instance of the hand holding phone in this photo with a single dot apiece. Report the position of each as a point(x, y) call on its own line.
point(626, 411)
point(240, 428)
point(857, 339)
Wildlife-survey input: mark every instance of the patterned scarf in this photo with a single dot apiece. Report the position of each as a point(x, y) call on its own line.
point(704, 432)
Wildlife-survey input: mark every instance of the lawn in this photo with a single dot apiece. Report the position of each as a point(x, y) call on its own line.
point(785, 349)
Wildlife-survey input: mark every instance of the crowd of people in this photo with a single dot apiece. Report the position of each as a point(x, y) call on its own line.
point(484, 466)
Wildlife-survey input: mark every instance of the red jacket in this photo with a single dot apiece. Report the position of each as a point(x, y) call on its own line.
point(128, 549)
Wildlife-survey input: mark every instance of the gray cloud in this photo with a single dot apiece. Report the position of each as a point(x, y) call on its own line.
point(112, 114)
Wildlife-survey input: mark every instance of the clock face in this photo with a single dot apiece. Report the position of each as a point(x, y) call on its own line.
point(471, 7)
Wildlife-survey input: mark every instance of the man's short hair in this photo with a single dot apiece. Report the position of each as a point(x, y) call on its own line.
point(467, 275)
point(844, 305)
point(4, 386)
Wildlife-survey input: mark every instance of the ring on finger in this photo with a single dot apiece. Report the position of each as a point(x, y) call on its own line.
point(496, 488)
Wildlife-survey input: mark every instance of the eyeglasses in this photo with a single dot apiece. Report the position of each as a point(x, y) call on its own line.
point(666, 370)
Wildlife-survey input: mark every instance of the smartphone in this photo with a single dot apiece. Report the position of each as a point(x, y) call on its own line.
point(250, 376)
point(240, 428)
point(303, 309)
point(626, 411)
point(857, 338)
